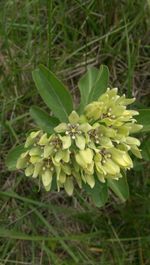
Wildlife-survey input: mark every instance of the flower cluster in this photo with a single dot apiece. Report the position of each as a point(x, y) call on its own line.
point(95, 144)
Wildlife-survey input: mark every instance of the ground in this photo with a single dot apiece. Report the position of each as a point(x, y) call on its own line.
point(50, 228)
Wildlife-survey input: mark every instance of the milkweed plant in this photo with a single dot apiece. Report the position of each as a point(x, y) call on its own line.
point(88, 147)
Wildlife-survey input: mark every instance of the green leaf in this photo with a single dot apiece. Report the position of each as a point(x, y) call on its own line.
point(85, 85)
point(43, 120)
point(99, 193)
point(144, 119)
point(93, 84)
point(13, 156)
point(146, 149)
point(101, 83)
point(120, 187)
point(53, 92)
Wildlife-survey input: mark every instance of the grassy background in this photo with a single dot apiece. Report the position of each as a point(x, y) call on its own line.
point(41, 228)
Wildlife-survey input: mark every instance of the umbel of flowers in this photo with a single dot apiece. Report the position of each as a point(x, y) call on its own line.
point(96, 144)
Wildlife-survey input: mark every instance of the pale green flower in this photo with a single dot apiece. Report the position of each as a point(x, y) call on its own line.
point(94, 110)
point(73, 131)
point(124, 101)
point(96, 144)
point(47, 178)
point(136, 151)
point(23, 160)
point(122, 158)
point(44, 139)
point(32, 138)
point(53, 145)
point(37, 169)
point(134, 128)
point(104, 163)
point(84, 158)
point(89, 179)
point(68, 185)
point(29, 170)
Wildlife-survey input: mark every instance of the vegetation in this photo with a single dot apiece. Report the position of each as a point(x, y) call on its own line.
point(51, 228)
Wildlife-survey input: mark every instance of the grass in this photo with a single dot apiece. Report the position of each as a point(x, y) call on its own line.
point(49, 228)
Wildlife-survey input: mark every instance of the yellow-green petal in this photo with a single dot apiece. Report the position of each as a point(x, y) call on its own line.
point(21, 163)
point(66, 168)
point(66, 142)
point(121, 158)
point(29, 170)
point(73, 117)
point(132, 141)
point(111, 168)
point(135, 128)
point(90, 168)
point(48, 149)
point(46, 177)
point(80, 142)
point(37, 169)
point(62, 127)
point(105, 142)
point(66, 155)
point(85, 127)
point(58, 170)
point(62, 177)
point(35, 151)
point(100, 168)
point(35, 159)
point(84, 157)
point(94, 110)
point(78, 178)
point(31, 138)
point(47, 188)
point(136, 151)
point(44, 139)
point(90, 180)
point(101, 177)
point(58, 156)
point(68, 185)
